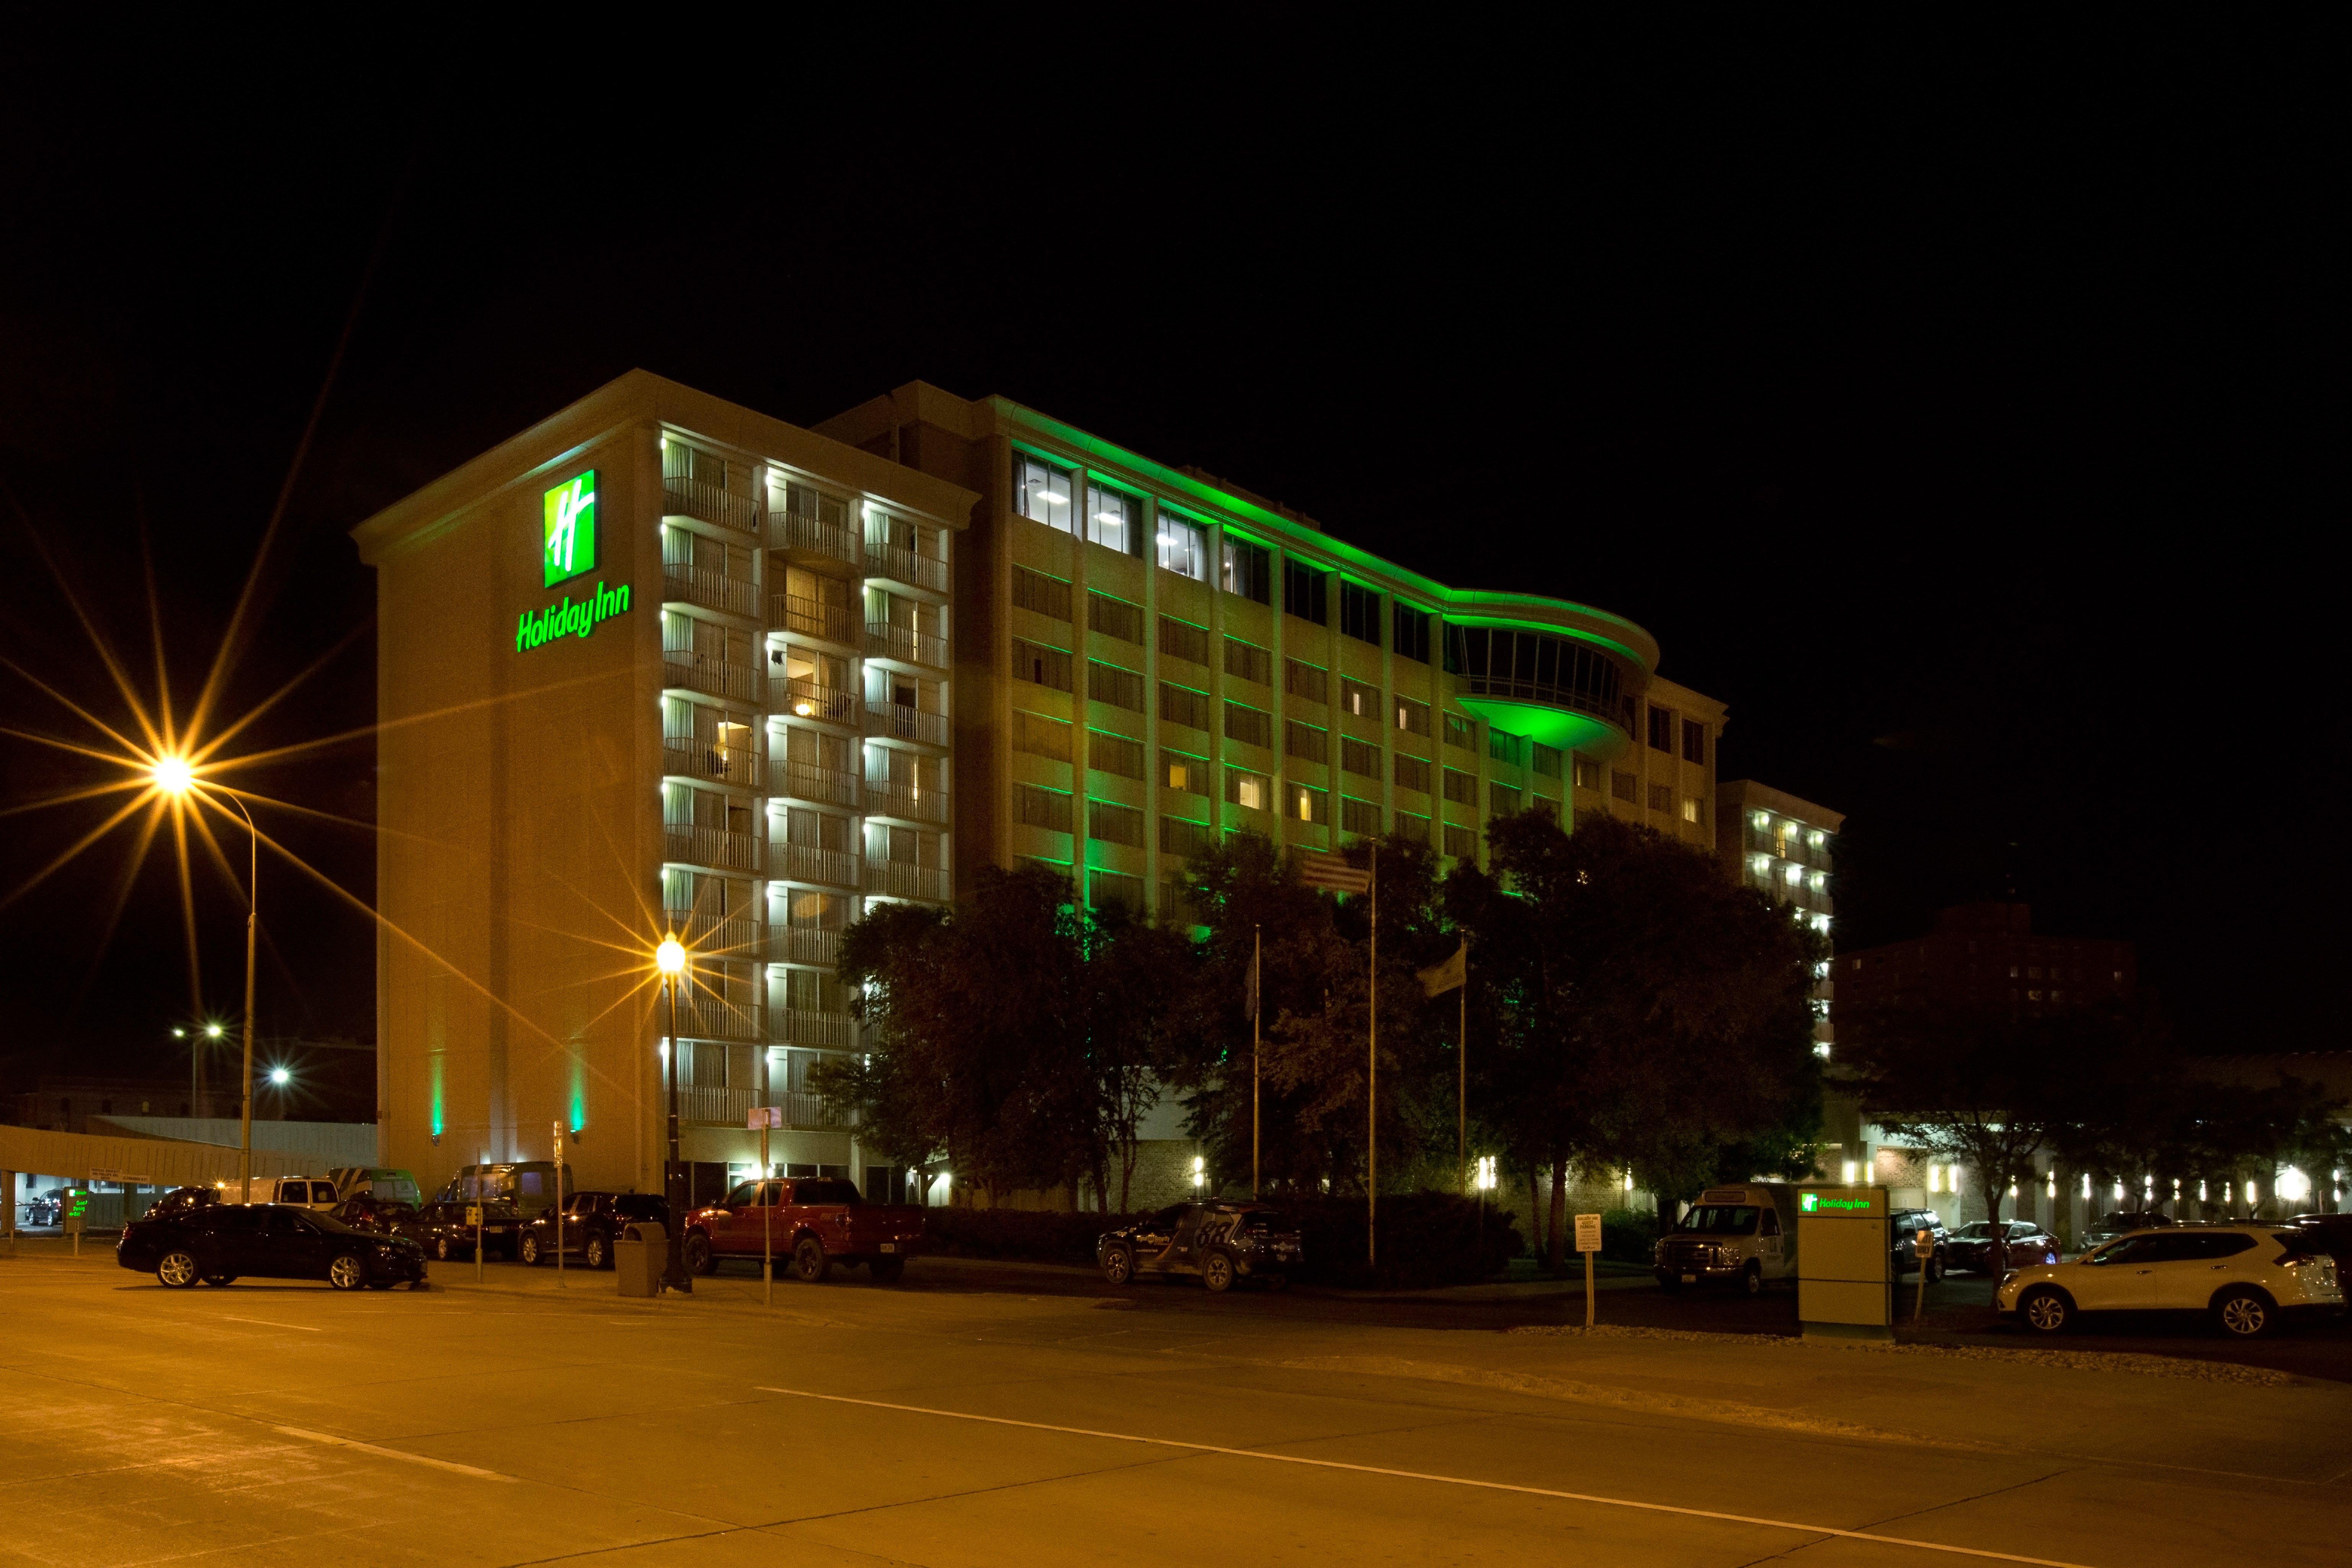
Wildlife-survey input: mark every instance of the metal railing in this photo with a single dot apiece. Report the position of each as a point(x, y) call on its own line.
point(807, 781)
point(814, 618)
point(896, 879)
point(805, 944)
point(711, 590)
point(712, 846)
point(683, 497)
point(806, 1026)
point(827, 704)
point(901, 723)
point(905, 801)
point(714, 677)
point(827, 867)
point(702, 1102)
point(809, 1112)
point(708, 759)
point(901, 565)
point(833, 541)
point(883, 640)
point(739, 934)
point(704, 1017)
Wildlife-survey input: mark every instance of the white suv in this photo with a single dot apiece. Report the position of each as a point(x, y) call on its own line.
point(2248, 1277)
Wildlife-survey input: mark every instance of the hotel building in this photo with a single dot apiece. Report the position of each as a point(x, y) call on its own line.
point(1782, 846)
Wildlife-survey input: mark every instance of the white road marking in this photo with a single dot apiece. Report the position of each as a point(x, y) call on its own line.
point(1426, 1476)
point(265, 1324)
point(393, 1452)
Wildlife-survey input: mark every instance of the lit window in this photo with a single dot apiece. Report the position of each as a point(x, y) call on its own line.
point(1794, 874)
point(1243, 788)
point(1114, 521)
point(1183, 547)
point(1690, 808)
point(1041, 492)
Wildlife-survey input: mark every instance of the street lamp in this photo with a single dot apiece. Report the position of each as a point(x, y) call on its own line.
point(670, 959)
point(176, 777)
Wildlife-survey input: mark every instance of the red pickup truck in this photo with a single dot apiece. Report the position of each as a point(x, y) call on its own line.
point(808, 1222)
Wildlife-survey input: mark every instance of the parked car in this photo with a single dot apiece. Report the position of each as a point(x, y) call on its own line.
point(383, 1216)
point(1902, 1229)
point(1971, 1246)
point(1745, 1236)
point(181, 1200)
point(2334, 1232)
point(592, 1224)
point(223, 1242)
point(445, 1230)
point(2122, 1223)
point(528, 1185)
point(1221, 1242)
point(296, 1192)
point(2246, 1278)
point(812, 1221)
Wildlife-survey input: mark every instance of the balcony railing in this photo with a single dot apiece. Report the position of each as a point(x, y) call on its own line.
point(833, 541)
point(711, 590)
point(807, 781)
point(827, 704)
point(883, 640)
point(738, 934)
point(896, 879)
point(827, 868)
point(809, 1112)
point(728, 1107)
point(901, 723)
point(806, 1026)
point(704, 1017)
point(814, 618)
point(805, 944)
point(714, 677)
point(683, 497)
point(905, 802)
point(708, 759)
point(713, 847)
point(901, 565)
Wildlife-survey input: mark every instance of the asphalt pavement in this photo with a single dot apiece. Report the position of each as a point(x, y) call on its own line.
point(994, 1412)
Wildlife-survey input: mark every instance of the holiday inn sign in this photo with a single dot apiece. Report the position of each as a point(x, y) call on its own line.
point(568, 550)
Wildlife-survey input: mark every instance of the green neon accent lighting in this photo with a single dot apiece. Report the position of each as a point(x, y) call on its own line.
point(438, 1121)
point(1549, 629)
point(579, 1097)
point(568, 531)
point(569, 619)
point(1232, 532)
point(1563, 729)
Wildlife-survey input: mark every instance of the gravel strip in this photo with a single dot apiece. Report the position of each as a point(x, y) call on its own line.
point(2144, 1365)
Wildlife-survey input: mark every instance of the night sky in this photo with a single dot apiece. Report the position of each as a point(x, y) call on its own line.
point(1954, 407)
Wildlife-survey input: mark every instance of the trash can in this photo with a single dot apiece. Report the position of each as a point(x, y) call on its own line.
point(637, 1257)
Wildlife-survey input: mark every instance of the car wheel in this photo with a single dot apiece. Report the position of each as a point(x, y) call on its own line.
point(889, 1271)
point(698, 1253)
point(531, 1251)
point(1118, 1266)
point(809, 1262)
point(2045, 1311)
point(1751, 1281)
point(347, 1272)
point(1217, 1273)
point(176, 1269)
point(220, 1279)
point(1669, 1283)
point(597, 1253)
point(2245, 1313)
point(1935, 1268)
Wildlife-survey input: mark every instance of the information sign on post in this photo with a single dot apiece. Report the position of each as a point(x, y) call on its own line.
point(1844, 1263)
point(764, 1117)
point(1588, 1242)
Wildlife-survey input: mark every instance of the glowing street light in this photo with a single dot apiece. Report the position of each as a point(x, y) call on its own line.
point(175, 776)
point(281, 1077)
point(669, 958)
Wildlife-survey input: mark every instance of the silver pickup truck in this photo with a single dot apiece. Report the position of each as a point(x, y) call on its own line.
point(1744, 1235)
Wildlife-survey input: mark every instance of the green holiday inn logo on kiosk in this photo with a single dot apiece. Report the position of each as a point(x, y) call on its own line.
point(568, 533)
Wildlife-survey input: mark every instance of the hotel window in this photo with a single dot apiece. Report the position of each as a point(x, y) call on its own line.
point(1306, 591)
point(1247, 661)
point(1036, 590)
point(1411, 772)
point(1588, 772)
point(1502, 747)
point(1625, 785)
point(1502, 799)
point(1662, 728)
point(1547, 761)
point(1306, 681)
point(1107, 887)
point(1248, 570)
point(1461, 788)
point(1462, 843)
point(1182, 705)
point(1694, 810)
point(1182, 639)
point(1041, 492)
point(1040, 736)
point(1184, 546)
point(1407, 825)
point(1360, 612)
point(1252, 726)
point(1413, 717)
point(1046, 808)
point(1119, 688)
point(1461, 731)
point(1118, 823)
point(1115, 753)
point(1186, 775)
point(1045, 665)
point(1662, 798)
point(1412, 634)
point(1358, 699)
point(1693, 742)
point(1249, 790)
point(1304, 802)
point(1115, 618)
point(1177, 836)
point(1306, 743)
point(1362, 817)
point(1359, 758)
point(1114, 521)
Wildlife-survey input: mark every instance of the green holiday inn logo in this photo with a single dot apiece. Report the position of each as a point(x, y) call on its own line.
point(568, 531)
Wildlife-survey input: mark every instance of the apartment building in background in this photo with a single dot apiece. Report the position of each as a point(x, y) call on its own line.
point(658, 664)
point(1985, 958)
point(1783, 847)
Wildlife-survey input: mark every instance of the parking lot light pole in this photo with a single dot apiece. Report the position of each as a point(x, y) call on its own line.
point(670, 959)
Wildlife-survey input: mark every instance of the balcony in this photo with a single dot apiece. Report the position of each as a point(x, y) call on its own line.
point(708, 759)
point(706, 1017)
point(905, 802)
point(825, 704)
point(805, 944)
point(737, 935)
point(811, 536)
point(726, 1106)
point(807, 781)
point(714, 677)
point(814, 618)
point(805, 1027)
point(684, 497)
point(897, 879)
point(905, 645)
point(713, 847)
point(825, 868)
point(900, 722)
point(806, 1112)
point(900, 564)
point(711, 590)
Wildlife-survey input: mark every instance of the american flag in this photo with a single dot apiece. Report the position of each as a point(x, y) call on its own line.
point(1333, 875)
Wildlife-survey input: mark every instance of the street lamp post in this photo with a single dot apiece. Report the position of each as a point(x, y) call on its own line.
point(670, 959)
point(176, 777)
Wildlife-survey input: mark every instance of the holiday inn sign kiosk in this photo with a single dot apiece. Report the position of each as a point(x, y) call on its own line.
point(1845, 1285)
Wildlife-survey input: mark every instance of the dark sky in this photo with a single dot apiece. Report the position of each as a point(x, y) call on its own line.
point(1954, 407)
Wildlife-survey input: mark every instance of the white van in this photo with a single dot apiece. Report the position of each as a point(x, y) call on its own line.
point(295, 1192)
point(1744, 1235)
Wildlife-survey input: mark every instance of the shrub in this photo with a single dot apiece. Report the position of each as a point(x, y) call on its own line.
point(1629, 1235)
point(1037, 1236)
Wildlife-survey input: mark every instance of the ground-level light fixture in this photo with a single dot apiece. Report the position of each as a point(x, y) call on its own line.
point(1199, 1170)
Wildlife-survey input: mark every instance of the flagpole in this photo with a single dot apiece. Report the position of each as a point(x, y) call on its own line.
point(1372, 1083)
point(1257, 1008)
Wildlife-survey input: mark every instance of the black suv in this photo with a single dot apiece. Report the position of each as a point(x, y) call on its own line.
point(1902, 1229)
point(592, 1224)
point(446, 1231)
point(1219, 1241)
